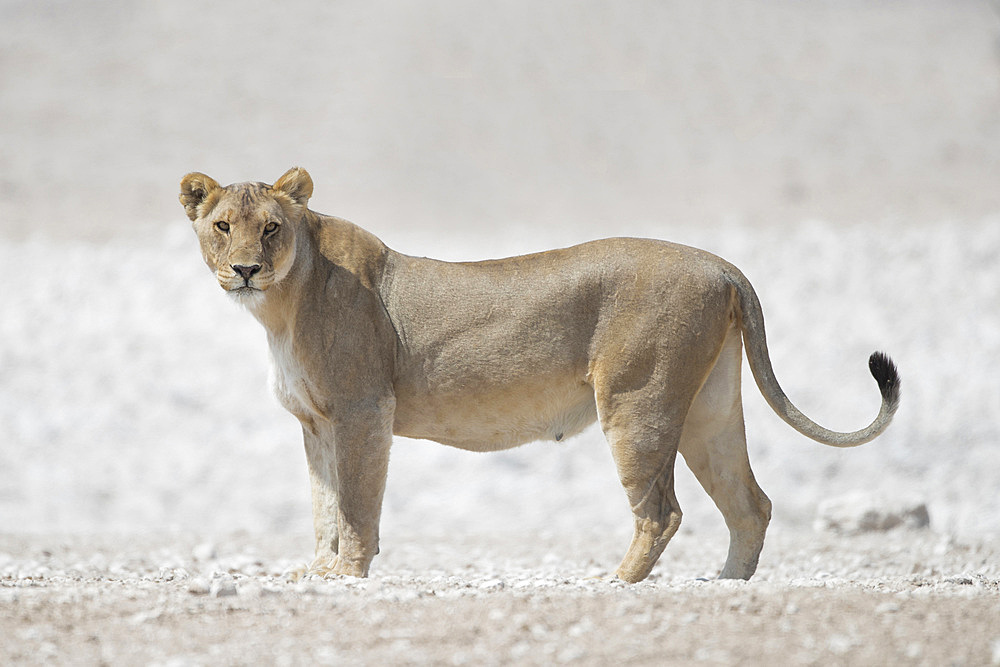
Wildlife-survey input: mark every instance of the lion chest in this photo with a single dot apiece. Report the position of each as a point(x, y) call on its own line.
point(289, 381)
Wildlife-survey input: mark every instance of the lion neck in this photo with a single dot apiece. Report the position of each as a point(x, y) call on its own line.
point(332, 256)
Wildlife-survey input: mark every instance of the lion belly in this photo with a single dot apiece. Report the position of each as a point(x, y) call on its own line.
point(498, 419)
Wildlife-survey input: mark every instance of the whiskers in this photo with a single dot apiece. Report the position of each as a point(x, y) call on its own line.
point(249, 292)
point(249, 297)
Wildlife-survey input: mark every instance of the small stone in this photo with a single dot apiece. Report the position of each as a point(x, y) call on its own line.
point(887, 608)
point(492, 585)
point(571, 654)
point(199, 586)
point(144, 617)
point(840, 644)
point(862, 512)
point(222, 586)
point(581, 628)
point(252, 589)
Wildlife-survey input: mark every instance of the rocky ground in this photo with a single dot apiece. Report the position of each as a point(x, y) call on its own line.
point(899, 597)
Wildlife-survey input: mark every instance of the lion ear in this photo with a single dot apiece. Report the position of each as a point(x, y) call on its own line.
point(195, 188)
point(297, 184)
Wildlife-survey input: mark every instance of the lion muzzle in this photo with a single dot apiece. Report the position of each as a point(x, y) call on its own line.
point(247, 272)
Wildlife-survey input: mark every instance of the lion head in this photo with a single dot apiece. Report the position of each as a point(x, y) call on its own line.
point(247, 230)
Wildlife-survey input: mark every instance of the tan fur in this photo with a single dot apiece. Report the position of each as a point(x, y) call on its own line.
point(366, 342)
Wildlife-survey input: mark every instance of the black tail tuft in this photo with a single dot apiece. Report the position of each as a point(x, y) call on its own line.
point(884, 371)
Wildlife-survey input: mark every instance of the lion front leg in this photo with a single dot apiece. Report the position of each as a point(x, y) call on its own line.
point(362, 461)
point(322, 460)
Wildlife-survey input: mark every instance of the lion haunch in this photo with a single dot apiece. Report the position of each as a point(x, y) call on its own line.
point(366, 342)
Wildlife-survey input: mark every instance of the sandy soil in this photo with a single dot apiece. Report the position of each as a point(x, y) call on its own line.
point(894, 598)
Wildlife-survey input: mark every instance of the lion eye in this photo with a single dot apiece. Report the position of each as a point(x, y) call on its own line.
point(270, 228)
point(222, 226)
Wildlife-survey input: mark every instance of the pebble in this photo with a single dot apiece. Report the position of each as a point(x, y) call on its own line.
point(250, 589)
point(887, 608)
point(199, 586)
point(222, 586)
point(840, 644)
point(861, 512)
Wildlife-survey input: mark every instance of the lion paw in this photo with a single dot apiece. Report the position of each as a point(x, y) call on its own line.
point(319, 567)
point(326, 568)
point(295, 574)
point(341, 567)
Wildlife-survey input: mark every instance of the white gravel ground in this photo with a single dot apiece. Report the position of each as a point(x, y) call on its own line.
point(903, 598)
point(150, 484)
point(138, 399)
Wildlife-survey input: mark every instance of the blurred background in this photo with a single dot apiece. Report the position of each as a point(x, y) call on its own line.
point(477, 116)
point(843, 153)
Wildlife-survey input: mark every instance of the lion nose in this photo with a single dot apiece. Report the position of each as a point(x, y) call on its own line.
point(246, 271)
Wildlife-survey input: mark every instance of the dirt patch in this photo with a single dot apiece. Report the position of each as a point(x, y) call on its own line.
point(894, 598)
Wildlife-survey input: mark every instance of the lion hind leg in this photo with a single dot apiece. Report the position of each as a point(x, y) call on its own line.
point(644, 455)
point(714, 446)
point(657, 518)
point(644, 390)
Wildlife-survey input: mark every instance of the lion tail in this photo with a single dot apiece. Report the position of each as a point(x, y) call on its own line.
point(881, 366)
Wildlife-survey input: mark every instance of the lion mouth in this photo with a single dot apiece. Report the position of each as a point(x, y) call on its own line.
point(247, 295)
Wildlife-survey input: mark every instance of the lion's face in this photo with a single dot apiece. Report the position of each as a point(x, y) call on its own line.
point(247, 231)
point(248, 240)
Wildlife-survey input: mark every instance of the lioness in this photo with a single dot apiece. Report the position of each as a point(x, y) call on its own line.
point(365, 342)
